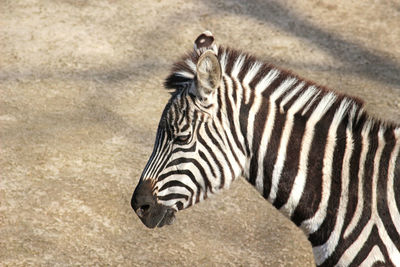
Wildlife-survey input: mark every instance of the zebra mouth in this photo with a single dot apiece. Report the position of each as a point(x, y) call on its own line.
point(168, 219)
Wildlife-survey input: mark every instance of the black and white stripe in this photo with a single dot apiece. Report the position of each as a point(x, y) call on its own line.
point(313, 153)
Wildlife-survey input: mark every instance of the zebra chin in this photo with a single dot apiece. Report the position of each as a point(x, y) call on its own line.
point(156, 216)
point(166, 217)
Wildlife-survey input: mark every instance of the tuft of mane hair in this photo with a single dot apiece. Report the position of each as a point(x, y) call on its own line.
point(183, 74)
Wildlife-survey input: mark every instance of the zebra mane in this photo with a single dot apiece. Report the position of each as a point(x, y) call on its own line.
point(184, 74)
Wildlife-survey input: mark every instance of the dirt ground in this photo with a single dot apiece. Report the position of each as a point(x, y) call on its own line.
point(80, 99)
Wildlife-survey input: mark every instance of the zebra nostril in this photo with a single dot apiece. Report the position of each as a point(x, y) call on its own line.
point(145, 207)
point(143, 201)
point(142, 210)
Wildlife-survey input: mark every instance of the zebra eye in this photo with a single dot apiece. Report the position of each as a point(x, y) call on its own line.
point(182, 139)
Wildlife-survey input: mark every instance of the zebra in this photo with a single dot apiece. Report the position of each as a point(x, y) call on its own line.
point(313, 153)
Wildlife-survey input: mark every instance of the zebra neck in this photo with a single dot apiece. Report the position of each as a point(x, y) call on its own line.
point(296, 145)
point(325, 165)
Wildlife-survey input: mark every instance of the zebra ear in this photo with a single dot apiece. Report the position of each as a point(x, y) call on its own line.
point(208, 74)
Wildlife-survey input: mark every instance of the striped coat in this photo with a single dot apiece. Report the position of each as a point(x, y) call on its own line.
point(313, 153)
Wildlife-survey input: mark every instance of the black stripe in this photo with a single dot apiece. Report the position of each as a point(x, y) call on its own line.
point(258, 131)
point(243, 118)
point(232, 55)
point(354, 169)
point(233, 152)
point(179, 161)
point(373, 239)
point(215, 130)
point(176, 183)
point(229, 112)
point(309, 203)
point(272, 151)
point(173, 196)
point(203, 156)
point(159, 156)
point(211, 152)
point(322, 235)
point(183, 172)
point(234, 89)
point(396, 184)
point(185, 150)
point(290, 167)
point(182, 117)
point(260, 120)
point(382, 197)
point(174, 118)
point(362, 253)
point(367, 185)
point(222, 151)
point(160, 159)
point(149, 163)
point(219, 101)
point(248, 63)
point(262, 72)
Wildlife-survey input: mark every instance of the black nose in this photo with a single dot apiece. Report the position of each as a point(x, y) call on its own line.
point(151, 213)
point(142, 199)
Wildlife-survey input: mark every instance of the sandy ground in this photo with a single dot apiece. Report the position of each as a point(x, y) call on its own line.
point(80, 99)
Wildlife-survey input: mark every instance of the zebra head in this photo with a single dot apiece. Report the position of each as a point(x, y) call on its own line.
point(192, 156)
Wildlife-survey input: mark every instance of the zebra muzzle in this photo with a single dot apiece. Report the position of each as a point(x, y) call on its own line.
point(145, 205)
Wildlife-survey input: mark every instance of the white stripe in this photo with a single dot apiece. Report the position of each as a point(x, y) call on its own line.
point(311, 225)
point(351, 252)
point(322, 252)
point(177, 177)
point(218, 154)
point(280, 160)
point(223, 61)
point(360, 199)
point(374, 255)
point(266, 81)
point(174, 190)
point(375, 174)
point(214, 180)
point(185, 74)
point(391, 248)
point(215, 49)
point(239, 93)
point(223, 125)
point(162, 153)
point(207, 169)
point(393, 209)
point(248, 78)
point(309, 104)
point(289, 96)
point(191, 65)
point(155, 157)
point(237, 66)
point(172, 202)
point(300, 179)
point(235, 109)
point(268, 127)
